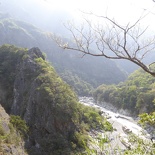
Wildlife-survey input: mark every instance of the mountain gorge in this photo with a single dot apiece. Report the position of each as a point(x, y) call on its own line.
point(30, 88)
point(41, 86)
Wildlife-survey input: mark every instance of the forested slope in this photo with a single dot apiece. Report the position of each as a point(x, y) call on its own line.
point(136, 94)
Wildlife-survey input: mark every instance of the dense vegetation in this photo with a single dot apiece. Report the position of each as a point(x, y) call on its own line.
point(51, 94)
point(136, 94)
point(19, 124)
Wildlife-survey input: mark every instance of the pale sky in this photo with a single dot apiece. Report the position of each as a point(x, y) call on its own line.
point(121, 10)
point(61, 11)
point(99, 6)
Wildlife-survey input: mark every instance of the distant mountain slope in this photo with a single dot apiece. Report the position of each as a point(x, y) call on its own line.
point(94, 71)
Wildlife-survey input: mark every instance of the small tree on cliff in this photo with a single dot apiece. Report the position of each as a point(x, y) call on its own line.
point(112, 40)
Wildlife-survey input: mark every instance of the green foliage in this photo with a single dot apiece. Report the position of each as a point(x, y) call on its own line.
point(140, 146)
point(95, 121)
point(19, 124)
point(81, 139)
point(146, 118)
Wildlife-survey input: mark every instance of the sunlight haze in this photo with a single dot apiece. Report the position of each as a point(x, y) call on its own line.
point(122, 10)
point(101, 6)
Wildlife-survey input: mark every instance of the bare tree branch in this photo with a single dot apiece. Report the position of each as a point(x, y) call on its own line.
point(111, 40)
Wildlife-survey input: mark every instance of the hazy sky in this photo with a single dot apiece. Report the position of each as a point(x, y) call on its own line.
point(99, 5)
point(122, 10)
point(117, 7)
point(53, 13)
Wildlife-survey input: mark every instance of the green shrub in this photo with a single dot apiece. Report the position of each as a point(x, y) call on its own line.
point(2, 132)
point(81, 139)
point(19, 124)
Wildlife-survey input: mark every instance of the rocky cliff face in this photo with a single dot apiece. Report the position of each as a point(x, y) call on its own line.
point(30, 88)
point(37, 108)
point(10, 141)
point(39, 96)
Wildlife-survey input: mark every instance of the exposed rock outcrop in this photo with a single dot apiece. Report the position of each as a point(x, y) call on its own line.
point(10, 141)
point(49, 124)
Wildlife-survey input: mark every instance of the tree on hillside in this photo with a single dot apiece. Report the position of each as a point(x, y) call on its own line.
point(112, 40)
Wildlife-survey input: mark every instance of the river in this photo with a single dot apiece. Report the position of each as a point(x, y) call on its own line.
point(123, 124)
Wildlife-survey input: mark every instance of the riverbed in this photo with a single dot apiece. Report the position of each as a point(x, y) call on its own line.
point(122, 124)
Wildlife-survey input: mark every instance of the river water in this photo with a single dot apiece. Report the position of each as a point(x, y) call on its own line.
point(123, 124)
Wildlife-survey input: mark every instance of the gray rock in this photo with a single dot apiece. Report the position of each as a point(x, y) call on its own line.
point(10, 147)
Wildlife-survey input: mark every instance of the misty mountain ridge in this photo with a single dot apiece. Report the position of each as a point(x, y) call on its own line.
point(37, 13)
point(25, 35)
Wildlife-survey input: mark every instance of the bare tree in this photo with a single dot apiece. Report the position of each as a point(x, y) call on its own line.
point(112, 40)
